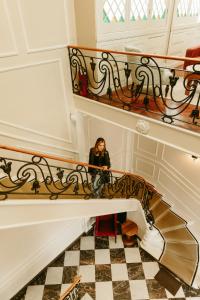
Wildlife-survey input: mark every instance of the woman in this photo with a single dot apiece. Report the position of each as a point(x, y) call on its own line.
point(99, 156)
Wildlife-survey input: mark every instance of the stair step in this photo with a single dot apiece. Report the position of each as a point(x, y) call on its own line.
point(181, 234)
point(170, 219)
point(155, 200)
point(159, 209)
point(183, 269)
point(187, 251)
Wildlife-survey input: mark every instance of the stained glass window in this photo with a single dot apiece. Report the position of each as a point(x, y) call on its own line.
point(139, 10)
point(114, 11)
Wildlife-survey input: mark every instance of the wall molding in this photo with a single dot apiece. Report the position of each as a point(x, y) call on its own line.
point(41, 49)
point(8, 124)
point(114, 154)
point(15, 51)
point(170, 192)
point(142, 150)
point(52, 61)
point(31, 141)
point(175, 172)
point(142, 171)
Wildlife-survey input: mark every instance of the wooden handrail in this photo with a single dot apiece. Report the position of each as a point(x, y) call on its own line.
point(72, 286)
point(179, 58)
point(48, 156)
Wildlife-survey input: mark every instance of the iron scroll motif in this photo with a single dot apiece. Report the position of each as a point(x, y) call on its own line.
point(37, 177)
point(111, 79)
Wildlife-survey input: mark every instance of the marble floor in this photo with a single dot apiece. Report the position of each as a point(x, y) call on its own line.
point(109, 271)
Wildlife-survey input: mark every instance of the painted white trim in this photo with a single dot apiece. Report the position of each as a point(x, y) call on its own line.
point(35, 50)
point(18, 67)
point(142, 150)
point(190, 193)
point(183, 213)
point(15, 52)
point(32, 131)
point(142, 171)
point(31, 141)
point(25, 212)
point(58, 61)
point(8, 54)
point(136, 115)
point(67, 104)
point(179, 175)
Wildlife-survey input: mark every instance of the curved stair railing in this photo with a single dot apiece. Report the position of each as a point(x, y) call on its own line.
point(138, 86)
point(34, 177)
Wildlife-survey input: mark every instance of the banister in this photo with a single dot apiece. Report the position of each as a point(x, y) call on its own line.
point(48, 156)
point(179, 58)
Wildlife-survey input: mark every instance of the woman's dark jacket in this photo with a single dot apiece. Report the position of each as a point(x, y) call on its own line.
point(99, 160)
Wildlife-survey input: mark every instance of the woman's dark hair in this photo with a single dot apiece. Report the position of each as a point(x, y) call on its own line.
point(95, 148)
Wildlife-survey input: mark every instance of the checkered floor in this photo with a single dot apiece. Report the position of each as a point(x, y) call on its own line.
point(109, 271)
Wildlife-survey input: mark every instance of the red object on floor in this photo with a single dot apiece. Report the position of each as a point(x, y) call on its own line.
point(191, 52)
point(83, 82)
point(106, 225)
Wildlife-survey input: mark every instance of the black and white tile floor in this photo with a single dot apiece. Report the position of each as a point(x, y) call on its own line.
point(109, 271)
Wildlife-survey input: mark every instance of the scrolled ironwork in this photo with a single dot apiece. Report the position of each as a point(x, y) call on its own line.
point(137, 85)
point(37, 178)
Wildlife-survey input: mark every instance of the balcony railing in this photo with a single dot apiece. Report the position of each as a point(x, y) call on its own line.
point(140, 83)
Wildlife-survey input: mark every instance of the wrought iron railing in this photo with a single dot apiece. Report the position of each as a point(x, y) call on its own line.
point(46, 176)
point(138, 84)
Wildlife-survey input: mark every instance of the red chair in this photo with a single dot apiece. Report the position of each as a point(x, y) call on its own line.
point(106, 225)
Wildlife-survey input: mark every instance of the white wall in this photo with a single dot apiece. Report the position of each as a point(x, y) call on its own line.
point(173, 172)
point(119, 142)
point(36, 102)
point(27, 250)
point(35, 86)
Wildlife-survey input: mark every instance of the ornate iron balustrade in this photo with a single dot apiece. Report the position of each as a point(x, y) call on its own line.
point(37, 178)
point(136, 85)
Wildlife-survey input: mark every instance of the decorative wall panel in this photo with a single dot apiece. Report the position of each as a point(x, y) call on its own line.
point(7, 41)
point(36, 102)
point(44, 23)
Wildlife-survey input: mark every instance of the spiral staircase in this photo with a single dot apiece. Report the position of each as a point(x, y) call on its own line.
point(169, 238)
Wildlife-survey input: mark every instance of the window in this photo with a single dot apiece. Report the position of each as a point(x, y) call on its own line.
point(195, 8)
point(182, 8)
point(139, 10)
point(188, 8)
point(114, 11)
point(159, 9)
